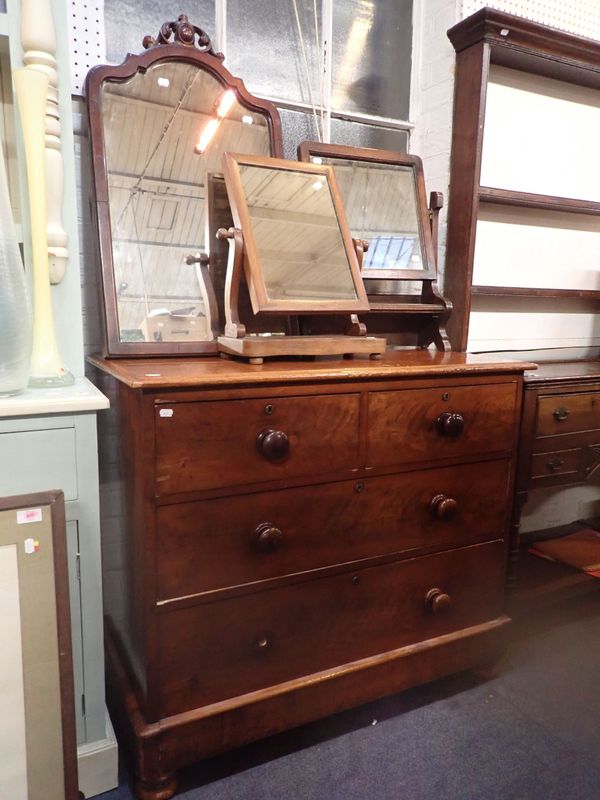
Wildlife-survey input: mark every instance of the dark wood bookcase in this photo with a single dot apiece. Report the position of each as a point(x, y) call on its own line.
point(484, 40)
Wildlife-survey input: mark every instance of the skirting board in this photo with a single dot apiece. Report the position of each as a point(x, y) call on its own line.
point(98, 764)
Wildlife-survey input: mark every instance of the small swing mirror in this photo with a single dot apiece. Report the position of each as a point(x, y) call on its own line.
point(299, 255)
point(384, 197)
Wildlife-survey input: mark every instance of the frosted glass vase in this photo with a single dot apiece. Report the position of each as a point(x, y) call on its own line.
point(15, 310)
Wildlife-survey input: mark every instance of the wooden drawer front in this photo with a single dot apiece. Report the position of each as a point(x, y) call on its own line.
point(557, 463)
point(404, 427)
point(213, 651)
point(213, 444)
point(229, 541)
point(568, 413)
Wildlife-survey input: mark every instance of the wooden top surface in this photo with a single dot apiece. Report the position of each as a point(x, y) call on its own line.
point(156, 373)
point(565, 371)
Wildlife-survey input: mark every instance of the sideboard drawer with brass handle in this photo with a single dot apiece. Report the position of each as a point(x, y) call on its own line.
point(569, 413)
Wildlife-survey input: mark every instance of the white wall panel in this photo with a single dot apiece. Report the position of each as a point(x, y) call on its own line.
point(529, 328)
point(545, 249)
point(541, 136)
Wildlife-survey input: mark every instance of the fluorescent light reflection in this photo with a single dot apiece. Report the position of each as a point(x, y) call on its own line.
point(207, 135)
point(225, 103)
point(223, 107)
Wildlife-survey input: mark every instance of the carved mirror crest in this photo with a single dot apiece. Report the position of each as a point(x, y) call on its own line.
point(159, 125)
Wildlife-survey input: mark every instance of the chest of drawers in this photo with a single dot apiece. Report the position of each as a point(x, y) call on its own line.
point(285, 541)
point(560, 436)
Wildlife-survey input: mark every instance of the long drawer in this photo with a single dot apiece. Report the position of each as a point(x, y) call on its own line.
point(212, 651)
point(568, 413)
point(229, 541)
point(204, 445)
point(412, 425)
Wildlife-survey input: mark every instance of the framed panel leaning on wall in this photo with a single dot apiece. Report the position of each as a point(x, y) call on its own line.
point(37, 724)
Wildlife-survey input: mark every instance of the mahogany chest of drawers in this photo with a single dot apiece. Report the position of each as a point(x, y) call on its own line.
point(560, 436)
point(285, 541)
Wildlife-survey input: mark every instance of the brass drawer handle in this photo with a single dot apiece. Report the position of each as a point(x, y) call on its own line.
point(561, 413)
point(268, 537)
point(450, 424)
point(437, 601)
point(273, 445)
point(443, 507)
point(555, 464)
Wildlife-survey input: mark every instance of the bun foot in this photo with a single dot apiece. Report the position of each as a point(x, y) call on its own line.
point(160, 789)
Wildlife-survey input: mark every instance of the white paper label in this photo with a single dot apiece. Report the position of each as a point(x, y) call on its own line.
point(31, 546)
point(165, 412)
point(26, 515)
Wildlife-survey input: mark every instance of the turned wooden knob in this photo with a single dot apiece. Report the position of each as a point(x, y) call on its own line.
point(443, 507)
point(437, 600)
point(268, 537)
point(273, 445)
point(450, 424)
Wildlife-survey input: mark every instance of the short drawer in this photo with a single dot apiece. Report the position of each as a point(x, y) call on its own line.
point(213, 651)
point(568, 413)
point(425, 424)
point(212, 544)
point(226, 443)
point(556, 463)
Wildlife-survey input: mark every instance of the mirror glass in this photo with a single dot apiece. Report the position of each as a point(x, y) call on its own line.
point(297, 235)
point(165, 130)
point(380, 201)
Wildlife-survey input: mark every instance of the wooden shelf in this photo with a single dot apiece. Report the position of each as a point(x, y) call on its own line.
point(536, 293)
point(410, 308)
point(507, 197)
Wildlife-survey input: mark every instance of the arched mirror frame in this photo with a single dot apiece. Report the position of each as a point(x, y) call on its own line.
point(177, 41)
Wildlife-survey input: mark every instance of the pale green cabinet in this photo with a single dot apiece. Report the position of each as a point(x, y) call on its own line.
point(48, 437)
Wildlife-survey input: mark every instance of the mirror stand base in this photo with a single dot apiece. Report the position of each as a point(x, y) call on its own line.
point(255, 348)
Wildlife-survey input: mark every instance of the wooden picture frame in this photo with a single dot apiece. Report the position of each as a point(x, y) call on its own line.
point(253, 262)
point(181, 42)
point(308, 151)
point(37, 727)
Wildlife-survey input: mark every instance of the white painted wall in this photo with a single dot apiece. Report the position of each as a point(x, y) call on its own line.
point(432, 90)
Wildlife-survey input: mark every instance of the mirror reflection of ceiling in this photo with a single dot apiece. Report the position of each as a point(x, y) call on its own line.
point(157, 190)
point(381, 206)
point(297, 235)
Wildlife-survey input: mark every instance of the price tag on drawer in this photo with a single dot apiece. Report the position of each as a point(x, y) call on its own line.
point(165, 412)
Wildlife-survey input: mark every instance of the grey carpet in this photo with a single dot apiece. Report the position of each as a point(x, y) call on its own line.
point(531, 733)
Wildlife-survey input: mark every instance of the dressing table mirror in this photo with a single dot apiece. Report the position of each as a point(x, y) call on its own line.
point(292, 242)
point(159, 124)
point(385, 202)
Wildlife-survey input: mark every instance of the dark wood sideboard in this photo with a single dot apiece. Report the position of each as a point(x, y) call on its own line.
point(559, 447)
point(285, 541)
